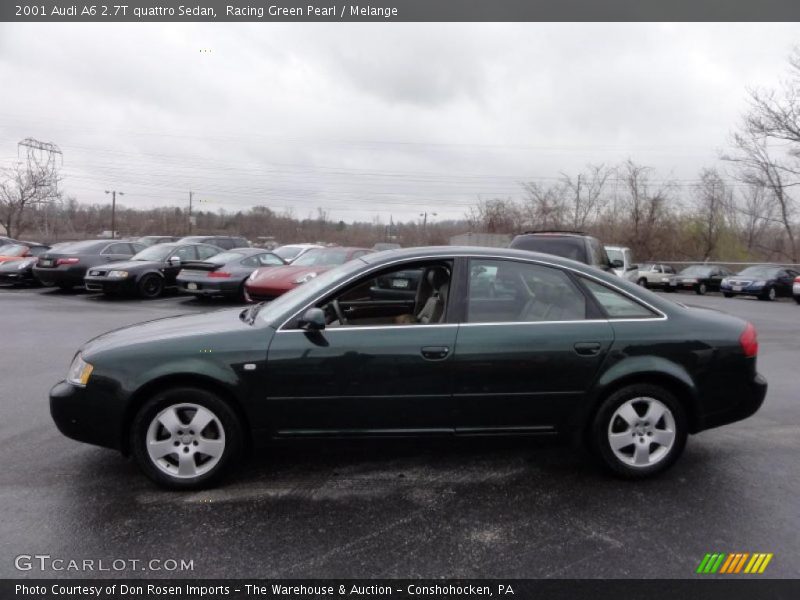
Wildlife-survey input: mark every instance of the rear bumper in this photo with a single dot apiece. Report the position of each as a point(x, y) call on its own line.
point(206, 287)
point(85, 416)
point(745, 404)
point(60, 275)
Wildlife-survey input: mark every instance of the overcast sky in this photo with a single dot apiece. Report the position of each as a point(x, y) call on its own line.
point(375, 119)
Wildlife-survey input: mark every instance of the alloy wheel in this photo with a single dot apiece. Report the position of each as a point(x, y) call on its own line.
point(185, 440)
point(641, 432)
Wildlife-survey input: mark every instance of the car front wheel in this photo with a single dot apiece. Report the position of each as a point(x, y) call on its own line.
point(186, 438)
point(769, 294)
point(642, 282)
point(151, 286)
point(639, 430)
point(701, 289)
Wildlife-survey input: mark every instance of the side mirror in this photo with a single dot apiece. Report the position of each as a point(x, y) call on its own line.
point(313, 320)
point(174, 261)
point(617, 263)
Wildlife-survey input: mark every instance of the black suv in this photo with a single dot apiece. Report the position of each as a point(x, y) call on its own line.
point(226, 242)
point(567, 244)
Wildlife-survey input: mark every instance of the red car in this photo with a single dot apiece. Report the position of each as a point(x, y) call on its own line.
point(20, 250)
point(269, 283)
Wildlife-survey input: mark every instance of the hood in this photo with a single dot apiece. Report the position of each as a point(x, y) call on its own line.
point(168, 328)
point(284, 274)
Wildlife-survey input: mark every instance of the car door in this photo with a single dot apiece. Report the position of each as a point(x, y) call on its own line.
point(381, 376)
point(530, 346)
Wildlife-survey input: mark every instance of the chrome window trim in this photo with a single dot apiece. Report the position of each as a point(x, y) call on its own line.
point(661, 315)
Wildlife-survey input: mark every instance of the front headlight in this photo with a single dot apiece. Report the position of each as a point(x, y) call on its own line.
point(79, 371)
point(724, 281)
point(305, 278)
point(117, 274)
point(759, 283)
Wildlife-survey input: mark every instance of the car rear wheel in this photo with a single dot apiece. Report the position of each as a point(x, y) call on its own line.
point(797, 299)
point(701, 289)
point(639, 430)
point(769, 294)
point(186, 438)
point(727, 294)
point(150, 286)
point(64, 287)
point(642, 282)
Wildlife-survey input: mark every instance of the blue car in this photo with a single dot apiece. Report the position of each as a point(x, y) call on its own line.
point(766, 282)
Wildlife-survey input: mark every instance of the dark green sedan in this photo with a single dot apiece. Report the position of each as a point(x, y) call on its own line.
point(491, 342)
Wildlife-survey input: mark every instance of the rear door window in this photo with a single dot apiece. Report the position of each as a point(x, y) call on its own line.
point(617, 305)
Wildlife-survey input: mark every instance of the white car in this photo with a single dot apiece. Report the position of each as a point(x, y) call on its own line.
point(654, 275)
point(621, 259)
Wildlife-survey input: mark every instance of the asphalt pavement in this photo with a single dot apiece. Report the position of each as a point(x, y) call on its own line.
point(442, 508)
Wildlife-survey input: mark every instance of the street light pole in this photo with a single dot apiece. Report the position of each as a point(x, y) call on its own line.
point(114, 211)
point(424, 216)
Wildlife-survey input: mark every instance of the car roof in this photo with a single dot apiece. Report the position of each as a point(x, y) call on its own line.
point(246, 251)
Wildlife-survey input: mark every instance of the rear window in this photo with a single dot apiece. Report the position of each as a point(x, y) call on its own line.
point(566, 247)
point(88, 247)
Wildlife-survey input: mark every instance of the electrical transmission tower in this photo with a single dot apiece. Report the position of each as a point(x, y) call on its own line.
point(42, 162)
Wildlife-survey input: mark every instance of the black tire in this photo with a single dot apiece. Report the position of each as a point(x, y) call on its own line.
point(642, 282)
point(797, 299)
point(602, 426)
point(701, 289)
point(150, 286)
point(769, 294)
point(727, 294)
point(65, 287)
point(233, 437)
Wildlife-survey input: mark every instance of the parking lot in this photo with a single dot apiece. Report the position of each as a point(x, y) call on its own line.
point(485, 508)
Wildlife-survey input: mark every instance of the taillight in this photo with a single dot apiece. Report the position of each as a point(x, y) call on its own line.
point(68, 261)
point(797, 279)
point(220, 274)
point(749, 341)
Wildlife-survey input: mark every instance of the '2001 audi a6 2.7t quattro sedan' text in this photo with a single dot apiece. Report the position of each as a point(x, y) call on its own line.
point(492, 341)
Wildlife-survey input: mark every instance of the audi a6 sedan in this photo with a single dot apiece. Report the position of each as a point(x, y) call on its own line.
point(492, 342)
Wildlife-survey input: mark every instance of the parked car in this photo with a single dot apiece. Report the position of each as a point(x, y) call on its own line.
point(148, 273)
point(18, 272)
point(5, 241)
point(152, 240)
point(226, 242)
point(766, 282)
point(796, 289)
point(699, 278)
point(565, 349)
point(14, 252)
point(65, 266)
point(654, 275)
point(291, 252)
point(621, 258)
point(567, 244)
point(266, 284)
point(224, 274)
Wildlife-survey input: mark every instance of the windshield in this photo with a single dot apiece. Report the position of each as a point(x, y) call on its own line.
point(322, 257)
point(80, 247)
point(4, 248)
point(696, 271)
point(615, 255)
point(13, 250)
point(303, 294)
point(288, 252)
point(157, 252)
point(760, 271)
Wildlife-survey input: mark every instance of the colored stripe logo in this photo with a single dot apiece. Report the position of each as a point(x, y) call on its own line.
point(737, 562)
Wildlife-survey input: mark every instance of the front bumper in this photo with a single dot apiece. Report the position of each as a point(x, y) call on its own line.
point(745, 291)
point(109, 286)
point(745, 404)
point(84, 415)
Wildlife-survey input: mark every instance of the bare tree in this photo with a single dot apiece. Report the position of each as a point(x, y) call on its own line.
point(584, 195)
point(713, 196)
point(545, 206)
point(494, 216)
point(23, 187)
point(646, 206)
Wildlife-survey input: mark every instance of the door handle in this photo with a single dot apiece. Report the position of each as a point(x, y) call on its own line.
point(435, 352)
point(587, 348)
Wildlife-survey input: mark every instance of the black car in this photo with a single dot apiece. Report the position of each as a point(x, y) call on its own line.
point(698, 278)
point(766, 282)
point(224, 274)
point(17, 260)
point(542, 346)
point(65, 266)
point(566, 244)
point(149, 273)
point(226, 242)
point(152, 240)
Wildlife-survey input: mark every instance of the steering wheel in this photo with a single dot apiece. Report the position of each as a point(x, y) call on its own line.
point(339, 312)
